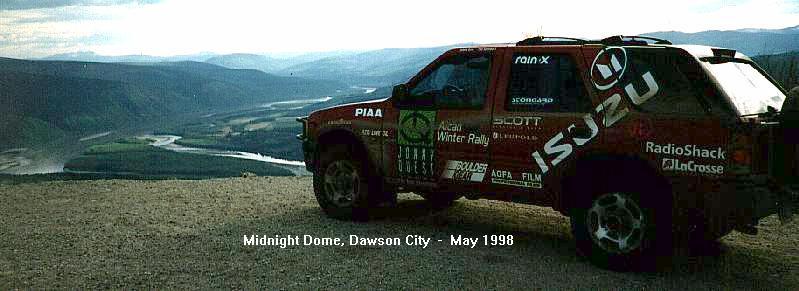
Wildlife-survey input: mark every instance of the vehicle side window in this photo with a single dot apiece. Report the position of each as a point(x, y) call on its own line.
point(459, 82)
point(546, 83)
point(677, 94)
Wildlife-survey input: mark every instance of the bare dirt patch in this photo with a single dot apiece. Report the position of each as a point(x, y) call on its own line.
point(189, 234)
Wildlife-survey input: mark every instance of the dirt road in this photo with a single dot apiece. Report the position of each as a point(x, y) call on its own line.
point(189, 234)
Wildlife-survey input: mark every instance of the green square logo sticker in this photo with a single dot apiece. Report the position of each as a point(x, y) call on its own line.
point(416, 127)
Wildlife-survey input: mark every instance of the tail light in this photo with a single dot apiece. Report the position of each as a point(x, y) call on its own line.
point(741, 155)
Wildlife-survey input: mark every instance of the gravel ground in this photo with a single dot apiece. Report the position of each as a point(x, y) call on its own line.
point(189, 234)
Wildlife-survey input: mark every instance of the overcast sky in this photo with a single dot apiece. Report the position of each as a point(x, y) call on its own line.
point(36, 28)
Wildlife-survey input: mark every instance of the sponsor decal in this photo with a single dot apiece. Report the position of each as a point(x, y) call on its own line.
point(501, 135)
point(608, 67)
point(518, 120)
point(339, 122)
point(688, 150)
point(368, 112)
point(452, 132)
point(450, 126)
point(415, 144)
point(675, 165)
point(539, 101)
point(472, 138)
point(606, 71)
point(528, 180)
point(532, 60)
point(464, 171)
point(374, 132)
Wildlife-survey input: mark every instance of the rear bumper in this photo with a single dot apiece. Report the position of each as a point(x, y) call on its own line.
point(757, 197)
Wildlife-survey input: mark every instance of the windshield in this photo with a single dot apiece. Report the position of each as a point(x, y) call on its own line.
point(749, 90)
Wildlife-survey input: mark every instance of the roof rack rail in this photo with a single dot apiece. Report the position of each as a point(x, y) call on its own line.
point(551, 40)
point(632, 40)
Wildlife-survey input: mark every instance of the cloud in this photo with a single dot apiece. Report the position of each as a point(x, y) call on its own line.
point(37, 4)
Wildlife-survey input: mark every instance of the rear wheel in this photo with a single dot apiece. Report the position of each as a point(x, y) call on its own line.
point(619, 230)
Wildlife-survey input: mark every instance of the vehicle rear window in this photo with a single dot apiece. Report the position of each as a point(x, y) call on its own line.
point(545, 83)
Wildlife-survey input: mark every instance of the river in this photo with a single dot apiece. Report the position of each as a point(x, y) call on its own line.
point(168, 142)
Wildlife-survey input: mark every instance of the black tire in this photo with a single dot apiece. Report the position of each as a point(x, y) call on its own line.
point(617, 228)
point(341, 184)
point(440, 200)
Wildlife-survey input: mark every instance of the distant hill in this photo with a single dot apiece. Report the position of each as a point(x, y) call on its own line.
point(751, 42)
point(373, 68)
point(87, 56)
point(269, 63)
point(56, 97)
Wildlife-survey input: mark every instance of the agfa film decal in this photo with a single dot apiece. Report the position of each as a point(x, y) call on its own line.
point(416, 148)
point(607, 71)
point(464, 171)
point(526, 180)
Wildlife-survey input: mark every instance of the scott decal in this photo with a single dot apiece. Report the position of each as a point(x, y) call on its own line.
point(368, 112)
point(518, 120)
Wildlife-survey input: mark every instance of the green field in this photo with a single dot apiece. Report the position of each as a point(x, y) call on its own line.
point(136, 157)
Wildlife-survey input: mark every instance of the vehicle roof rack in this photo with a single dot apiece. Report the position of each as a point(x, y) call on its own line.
point(551, 40)
point(632, 40)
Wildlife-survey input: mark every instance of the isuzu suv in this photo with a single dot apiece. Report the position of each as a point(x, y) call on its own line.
point(640, 142)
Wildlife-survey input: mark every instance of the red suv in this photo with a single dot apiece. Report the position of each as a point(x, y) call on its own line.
point(637, 140)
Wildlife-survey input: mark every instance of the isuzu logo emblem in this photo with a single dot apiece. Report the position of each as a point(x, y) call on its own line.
point(608, 67)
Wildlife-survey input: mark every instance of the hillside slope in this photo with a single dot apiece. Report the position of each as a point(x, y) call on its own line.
point(85, 97)
point(378, 68)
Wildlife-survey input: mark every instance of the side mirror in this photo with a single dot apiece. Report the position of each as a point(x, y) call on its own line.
point(400, 94)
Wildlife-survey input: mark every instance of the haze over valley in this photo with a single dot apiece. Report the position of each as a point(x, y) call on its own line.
point(95, 113)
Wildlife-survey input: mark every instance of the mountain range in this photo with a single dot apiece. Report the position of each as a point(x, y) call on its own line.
point(386, 67)
point(41, 100)
point(750, 41)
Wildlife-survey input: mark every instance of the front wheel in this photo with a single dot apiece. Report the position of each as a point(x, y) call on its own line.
point(618, 232)
point(341, 185)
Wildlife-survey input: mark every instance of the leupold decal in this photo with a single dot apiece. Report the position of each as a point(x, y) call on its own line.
point(607, 70)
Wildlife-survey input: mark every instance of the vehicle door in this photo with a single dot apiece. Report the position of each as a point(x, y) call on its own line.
point(538, 120)
point(443, 133)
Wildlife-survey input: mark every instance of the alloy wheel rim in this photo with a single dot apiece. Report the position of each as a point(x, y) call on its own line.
point(341, 183)
point(616, 223)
